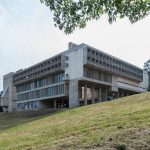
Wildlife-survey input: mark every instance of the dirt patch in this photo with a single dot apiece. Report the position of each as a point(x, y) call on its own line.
point(132, 139)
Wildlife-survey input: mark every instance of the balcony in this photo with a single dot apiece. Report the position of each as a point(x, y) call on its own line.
point(131, 87)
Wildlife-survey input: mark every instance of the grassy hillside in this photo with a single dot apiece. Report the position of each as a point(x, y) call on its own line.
point(116, 125)
point(9, 120)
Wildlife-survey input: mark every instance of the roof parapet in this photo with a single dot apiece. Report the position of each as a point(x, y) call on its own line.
point(71, 45)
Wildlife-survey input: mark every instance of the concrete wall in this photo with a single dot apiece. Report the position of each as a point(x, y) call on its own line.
point(74, 71)
point(130, 87)
point(126, 84)
point(43, 104)
point(73, 94)
point(146, 80)
point(121, 79)
point(5, 98)
point(112, 64)
point(75, 64)
point(9, 92)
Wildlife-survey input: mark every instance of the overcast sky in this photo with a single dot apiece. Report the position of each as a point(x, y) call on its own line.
point(27, 36)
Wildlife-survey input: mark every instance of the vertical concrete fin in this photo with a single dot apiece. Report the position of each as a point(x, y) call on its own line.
point(73, 94)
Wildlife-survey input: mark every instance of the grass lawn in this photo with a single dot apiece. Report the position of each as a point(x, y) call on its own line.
point(9, 120)
point(116, 125)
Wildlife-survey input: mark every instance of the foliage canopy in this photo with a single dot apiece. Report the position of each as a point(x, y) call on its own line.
point(70, 14)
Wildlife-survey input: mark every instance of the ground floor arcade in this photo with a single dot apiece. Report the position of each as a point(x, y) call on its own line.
point(89, 93)
point(80, 93)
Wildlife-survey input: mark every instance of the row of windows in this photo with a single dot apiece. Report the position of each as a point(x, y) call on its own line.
point(107, 58)
point(38, 66)
point(114, 65)
point(109, 63)
point(42, 68)
point(50, 80)
point(37, 73)
point(116, 69)
point(25, 87)
point(55, 78)
point(98, 75)
point(46, 92)
point(27, 106)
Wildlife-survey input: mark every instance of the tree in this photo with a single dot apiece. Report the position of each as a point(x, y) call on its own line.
point(70, 14)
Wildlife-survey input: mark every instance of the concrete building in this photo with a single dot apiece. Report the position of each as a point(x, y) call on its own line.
point(8, 96)
point(1, 97)
point(146, 80)
point(79, 76)
point(1, 108)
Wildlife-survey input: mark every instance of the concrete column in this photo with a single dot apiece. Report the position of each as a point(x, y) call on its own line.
point(62, 104)
point(85, 95)
point(100, 94)
point(118, 95)
point(106, 94)
point(73, 94)
point(122, 94)
point(55, 104)
point(93, 89)
point(32, 85)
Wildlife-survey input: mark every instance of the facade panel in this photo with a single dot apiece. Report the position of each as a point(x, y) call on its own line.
point(114, 65)
point(55, 64)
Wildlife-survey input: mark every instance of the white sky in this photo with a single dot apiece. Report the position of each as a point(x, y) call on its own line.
point(28, 36)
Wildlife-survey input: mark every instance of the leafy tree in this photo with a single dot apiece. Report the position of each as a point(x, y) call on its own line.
point(70, 14)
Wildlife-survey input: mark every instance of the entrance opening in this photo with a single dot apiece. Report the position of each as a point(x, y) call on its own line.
point(54, 103)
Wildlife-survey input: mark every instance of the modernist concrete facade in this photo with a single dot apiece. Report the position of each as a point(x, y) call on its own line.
point(146, 80)
point(79, 76)
point(8, 95)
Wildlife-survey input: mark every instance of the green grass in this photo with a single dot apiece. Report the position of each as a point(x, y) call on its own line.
point(119, 124)
point(9, 120)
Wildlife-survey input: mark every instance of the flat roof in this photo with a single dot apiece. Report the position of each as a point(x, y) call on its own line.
point(77, 46)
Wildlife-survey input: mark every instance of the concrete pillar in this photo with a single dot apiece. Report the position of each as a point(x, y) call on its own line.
point(73, 94)
point(55, 104)
point(93, 90)
point(85, 95)
point(32, 86)
point(122, 94)
point(106, 94)
point(100, 94)
point(117, 95)
point(62, 104)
